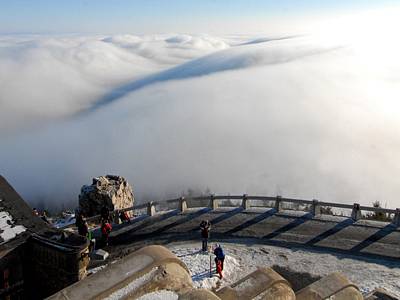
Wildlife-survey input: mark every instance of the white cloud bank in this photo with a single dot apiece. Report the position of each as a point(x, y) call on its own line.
point(299, 116)
point(43, 78)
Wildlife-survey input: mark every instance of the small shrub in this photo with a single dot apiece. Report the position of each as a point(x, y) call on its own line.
point(377, 216)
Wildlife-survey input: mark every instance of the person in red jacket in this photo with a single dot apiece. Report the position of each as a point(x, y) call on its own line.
point(105, 231)
point(124, 217)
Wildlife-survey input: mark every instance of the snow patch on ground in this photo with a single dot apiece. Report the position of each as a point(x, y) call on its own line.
point(198, 263)
point(160, 295)
point(8, 230)
point(134, 285)
point(67, 220)
point(96, 269)
point(241, 260)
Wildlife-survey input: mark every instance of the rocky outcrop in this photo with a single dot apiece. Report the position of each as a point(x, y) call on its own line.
point(111, 191)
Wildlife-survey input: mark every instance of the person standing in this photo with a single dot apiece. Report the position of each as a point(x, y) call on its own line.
point(219, 259)
point(124, 217)
point(205, 227)
point(105, 231)
point(83, 227)
point(105, 214)
point(44, 217)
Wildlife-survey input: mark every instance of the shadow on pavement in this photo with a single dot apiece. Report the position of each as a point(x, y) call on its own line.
point(183, 220)
point(253, 221)
point(338, 227)
point(380, 234)
point(298, 221)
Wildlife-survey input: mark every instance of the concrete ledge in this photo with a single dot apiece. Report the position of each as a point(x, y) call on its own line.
point(334, 285)
point(137, 264)
point(199, 294)
point(262, 281)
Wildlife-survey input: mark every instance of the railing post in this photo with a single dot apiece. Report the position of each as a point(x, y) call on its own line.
point(182, 204)
point(151, 209)
point(315, 208)
point(278, 203)
point(396, 219)
point(245, 202)
point(356, 212)
point(213, 202)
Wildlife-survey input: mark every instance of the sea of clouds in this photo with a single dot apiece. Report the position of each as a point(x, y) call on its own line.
point(303, 116)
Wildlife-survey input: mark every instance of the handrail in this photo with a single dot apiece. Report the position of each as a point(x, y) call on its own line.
point(294, 200)
point(172, 200)
point(378, 209)
point(356, 208)
point(336, 205)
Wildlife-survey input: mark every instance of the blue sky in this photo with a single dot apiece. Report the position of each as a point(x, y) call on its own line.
point(151, 16)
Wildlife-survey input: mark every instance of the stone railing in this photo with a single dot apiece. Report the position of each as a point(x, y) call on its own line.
point(246, 202)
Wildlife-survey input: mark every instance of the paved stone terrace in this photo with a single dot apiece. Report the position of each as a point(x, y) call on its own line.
point(286, 228)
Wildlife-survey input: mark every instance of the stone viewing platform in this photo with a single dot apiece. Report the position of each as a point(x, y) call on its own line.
point(275, 225)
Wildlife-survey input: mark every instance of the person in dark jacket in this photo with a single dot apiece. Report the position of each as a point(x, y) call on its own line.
point(35, 212)
point(219, 259)
point(105, 214)
point(44, 217)
point(83, 227)
point(205, 227)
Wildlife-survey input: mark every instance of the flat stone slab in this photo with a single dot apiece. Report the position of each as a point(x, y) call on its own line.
point(99, 254)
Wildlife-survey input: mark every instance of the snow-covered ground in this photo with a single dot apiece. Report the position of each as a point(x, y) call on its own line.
point(160, 295)
point(68, 219)
point(8, 230)
point(243, 259)
point(134, 285)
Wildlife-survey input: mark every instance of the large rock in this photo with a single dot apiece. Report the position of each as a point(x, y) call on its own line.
point(111, 191)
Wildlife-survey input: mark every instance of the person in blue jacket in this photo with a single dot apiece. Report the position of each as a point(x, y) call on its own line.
point(219, 259)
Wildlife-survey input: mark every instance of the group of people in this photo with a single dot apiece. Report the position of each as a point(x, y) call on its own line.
point(205, 228)
point(106, 228)
point(42, 214)
point(105, 221)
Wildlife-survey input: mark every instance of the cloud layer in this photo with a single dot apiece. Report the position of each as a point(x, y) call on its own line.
point(46, 78)
point(300, 116)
